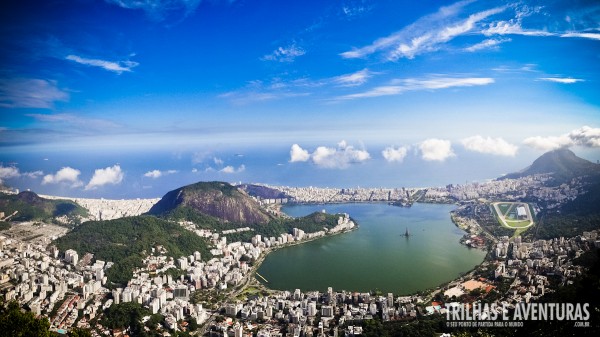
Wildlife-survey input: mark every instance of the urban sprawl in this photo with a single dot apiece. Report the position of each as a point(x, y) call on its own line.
point(70, 287)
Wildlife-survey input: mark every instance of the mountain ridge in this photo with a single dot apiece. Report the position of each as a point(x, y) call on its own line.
point(562, 163)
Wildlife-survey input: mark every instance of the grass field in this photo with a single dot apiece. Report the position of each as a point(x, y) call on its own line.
point(517, 224)
point(504, 207)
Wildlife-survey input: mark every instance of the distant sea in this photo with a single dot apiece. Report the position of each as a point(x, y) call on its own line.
point(268, 165)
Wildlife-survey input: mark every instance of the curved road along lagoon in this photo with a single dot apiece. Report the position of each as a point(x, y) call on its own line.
point(376, 256)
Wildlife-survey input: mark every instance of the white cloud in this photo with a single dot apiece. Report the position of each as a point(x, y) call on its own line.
point(593, 36)
point(285, 54)
point(427, 34)
point(66, 175)
point(412, 84)
point(585, 136)
point(548, 143)
point(112, 175)
point(218, 161)
point(30, 93)
point(436, 149)
point(230, 169)
point(486, 44)
point(512, 27)
point(8, 172)
point(157, 173)
point(563, 80)
point(330, 157)
point(116, 67)
point(33, 175)
point(298, 154)
point(496, 146)
point(354, 79)
point(394, 154)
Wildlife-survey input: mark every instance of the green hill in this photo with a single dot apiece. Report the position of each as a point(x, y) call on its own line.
point(29, 207)
point(126, 241)
point(562, 163)
point(213, 199)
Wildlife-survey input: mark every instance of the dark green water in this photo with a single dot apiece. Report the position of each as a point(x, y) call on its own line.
point(375, 256)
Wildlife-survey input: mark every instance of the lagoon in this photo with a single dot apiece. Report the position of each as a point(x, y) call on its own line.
point(376, 256)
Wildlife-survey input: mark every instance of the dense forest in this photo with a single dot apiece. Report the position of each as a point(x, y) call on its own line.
point(127, 240)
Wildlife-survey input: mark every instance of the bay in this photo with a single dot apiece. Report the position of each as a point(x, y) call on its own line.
point(376, 256)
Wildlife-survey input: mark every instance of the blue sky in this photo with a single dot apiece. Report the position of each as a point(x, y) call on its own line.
point(132, 98)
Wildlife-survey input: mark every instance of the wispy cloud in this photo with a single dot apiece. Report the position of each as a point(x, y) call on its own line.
point(285, 54)
point(354, 79)
point(159, 10)
point(489, 145)
point(330, 157)
point(593, 36)
point(115, 67)
point(78, 121)
point(486, 44)
point(258, 91)
point(585, 136)
point(154, 174)
point(111, 175)
point(30, 93)
point(563, 80)
point(427, 34)
point(66, 175)
point(411, 84)
point(434, 149)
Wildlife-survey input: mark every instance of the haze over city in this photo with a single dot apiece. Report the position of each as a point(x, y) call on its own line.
point(126, 99)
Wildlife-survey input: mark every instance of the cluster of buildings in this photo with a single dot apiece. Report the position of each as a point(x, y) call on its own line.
point(335, 195)
point(108, 209)
point(312, 313)
point(62, 285)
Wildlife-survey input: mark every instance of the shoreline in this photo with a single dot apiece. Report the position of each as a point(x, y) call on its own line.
point(429, 292)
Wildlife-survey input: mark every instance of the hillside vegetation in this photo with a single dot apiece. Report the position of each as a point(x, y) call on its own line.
point(126, 241)
point(31, 207)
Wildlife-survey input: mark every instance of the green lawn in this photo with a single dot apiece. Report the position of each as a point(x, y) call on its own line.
point(504, 208)
point(517, 224)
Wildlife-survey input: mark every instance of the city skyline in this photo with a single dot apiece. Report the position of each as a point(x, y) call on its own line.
point(143, 96)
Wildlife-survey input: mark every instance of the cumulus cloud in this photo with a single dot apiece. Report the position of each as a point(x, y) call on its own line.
point(30, 93)
point(496, 146)
point(115, 67)
point(66, 175)
point(434, 149)
point(563, 80)
point(154, 174)
point(8, 172)
point(330, 157)
point(584, 136)
point(394, 154)
point(112, 175)
point(230, 169)
point(298, 154)
point(285, 54)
